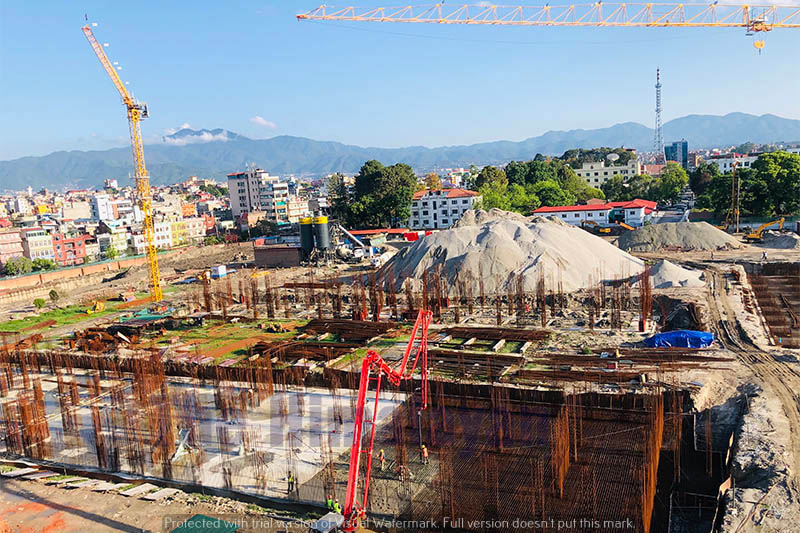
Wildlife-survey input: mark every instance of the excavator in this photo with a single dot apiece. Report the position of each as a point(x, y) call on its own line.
point(597, 227)
point(756, 236)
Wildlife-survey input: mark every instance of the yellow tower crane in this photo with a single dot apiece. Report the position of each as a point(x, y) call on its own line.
point(752, 18)
point(136, 112)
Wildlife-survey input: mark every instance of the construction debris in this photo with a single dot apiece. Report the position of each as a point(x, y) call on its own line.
point(665, 275)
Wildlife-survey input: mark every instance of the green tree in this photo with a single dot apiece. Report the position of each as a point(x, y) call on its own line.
point(18, 265)
point(493, 175)
point(550, 193)
point(781, 172)
point(338, 197)
point(701, 176)
point(493, 195)
point(44, 264)
point(670, 184)
point(433, 181)
point(264, 228)
point(39, 303)
point(382, 195)
point(54, 296)
point(616, 190)
point(642, 186)
point(522, 199)
point(111, 252)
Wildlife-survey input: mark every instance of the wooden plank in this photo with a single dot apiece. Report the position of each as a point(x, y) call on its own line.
point(102, 486)
point(81, 484)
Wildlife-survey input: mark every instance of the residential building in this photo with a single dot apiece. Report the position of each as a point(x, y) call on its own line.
point(245, 190)
point(76, 209)
point(69, 248)
point(116, 237)
point(179, 234)
point(10, 245)
point(37, 244)
point(634, 213)
point(111, 183)
point(92, 249)
point(440, 209)
point(162, 237)
point(678, 152)
point(598, 173)
point(188, 210)
point(101, 207)
point(195, 229)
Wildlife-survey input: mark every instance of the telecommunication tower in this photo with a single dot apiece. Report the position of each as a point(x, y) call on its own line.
point(658, 141)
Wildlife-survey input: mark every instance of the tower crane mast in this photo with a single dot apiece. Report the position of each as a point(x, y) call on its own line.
point(136, 112)
point(373, 368)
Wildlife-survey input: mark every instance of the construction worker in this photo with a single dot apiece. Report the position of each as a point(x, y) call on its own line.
point(329, 503)
point(764, 255)
point(290, 479)
point(424, 454)
point(336, 507)
point(382, 459)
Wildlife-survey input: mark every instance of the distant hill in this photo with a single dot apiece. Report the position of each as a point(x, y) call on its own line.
point(215, 153)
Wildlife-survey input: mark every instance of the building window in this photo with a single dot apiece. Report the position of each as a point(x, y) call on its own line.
point(444, 221)
point(631, 212)
point(454, 212)
point(564, 215)
point(577, 215)
point(424, 213)
point(465, 202)
point(589, 215)
point(424, 204)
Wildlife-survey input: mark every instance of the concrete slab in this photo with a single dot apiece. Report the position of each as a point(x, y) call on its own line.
point(161, 494)
point(63, 480)
point(139, 489)
point(41, 474)
point(19, 472)
point(102, 486)
point(81, 484)
point(117, 486)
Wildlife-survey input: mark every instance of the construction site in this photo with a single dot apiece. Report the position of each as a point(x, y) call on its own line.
point(532, 388)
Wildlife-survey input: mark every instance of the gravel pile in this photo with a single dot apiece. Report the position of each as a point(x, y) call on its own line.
point(665, 275)
point(686, 236)
point(784, 241)
point(502, 245)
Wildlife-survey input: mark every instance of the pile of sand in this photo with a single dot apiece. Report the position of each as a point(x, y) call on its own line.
point(664, 275)
point(504, 246)
point(479, 216)
point(688, 236)
point(785, 241)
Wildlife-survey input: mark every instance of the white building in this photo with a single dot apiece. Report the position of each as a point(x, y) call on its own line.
point(102, 209)
point(440, 209)
point(597, 174)
point(725, 162)
point(162, 237)
point(633, 213)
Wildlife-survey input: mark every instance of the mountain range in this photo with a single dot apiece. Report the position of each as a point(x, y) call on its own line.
point(215, 153)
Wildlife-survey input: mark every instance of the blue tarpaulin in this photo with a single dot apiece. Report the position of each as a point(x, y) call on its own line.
point(683, 338)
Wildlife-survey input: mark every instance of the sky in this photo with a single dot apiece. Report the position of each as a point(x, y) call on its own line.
point(252, 68)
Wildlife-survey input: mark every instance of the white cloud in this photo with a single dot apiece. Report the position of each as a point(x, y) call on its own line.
point(204, 137)
point(261, 121)
point(170, 131)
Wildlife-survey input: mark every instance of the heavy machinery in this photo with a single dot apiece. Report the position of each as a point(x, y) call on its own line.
point(136, 112)
point(97, 307)
point(756, 236)
point(597, 227)
point(373, 369)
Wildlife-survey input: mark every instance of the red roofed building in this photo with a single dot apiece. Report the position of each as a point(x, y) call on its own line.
point(69, 249)
point(634, 213)
point(440, 209)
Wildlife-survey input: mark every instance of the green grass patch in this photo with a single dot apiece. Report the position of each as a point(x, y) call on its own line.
point(62, 477)
point(68, 315)
point(511, 347)
point(7, 468)
point(204, 497)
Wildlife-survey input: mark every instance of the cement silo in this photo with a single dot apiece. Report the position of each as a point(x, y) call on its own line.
point(322, 234)
point(306, 236)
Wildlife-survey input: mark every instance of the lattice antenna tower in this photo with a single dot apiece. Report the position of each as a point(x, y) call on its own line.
point(658, 141)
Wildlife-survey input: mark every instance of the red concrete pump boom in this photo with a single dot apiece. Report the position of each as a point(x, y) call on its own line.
point(374, 364)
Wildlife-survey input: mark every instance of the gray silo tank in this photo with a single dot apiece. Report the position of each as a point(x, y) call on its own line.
point(322, 234)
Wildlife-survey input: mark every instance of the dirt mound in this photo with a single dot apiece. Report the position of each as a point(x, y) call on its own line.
point(505, 246)
point(784, 241)
point(664, 275)
point(687, 236)
point(479, 216)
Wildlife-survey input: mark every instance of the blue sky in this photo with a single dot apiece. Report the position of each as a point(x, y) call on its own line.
point(222, 64)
